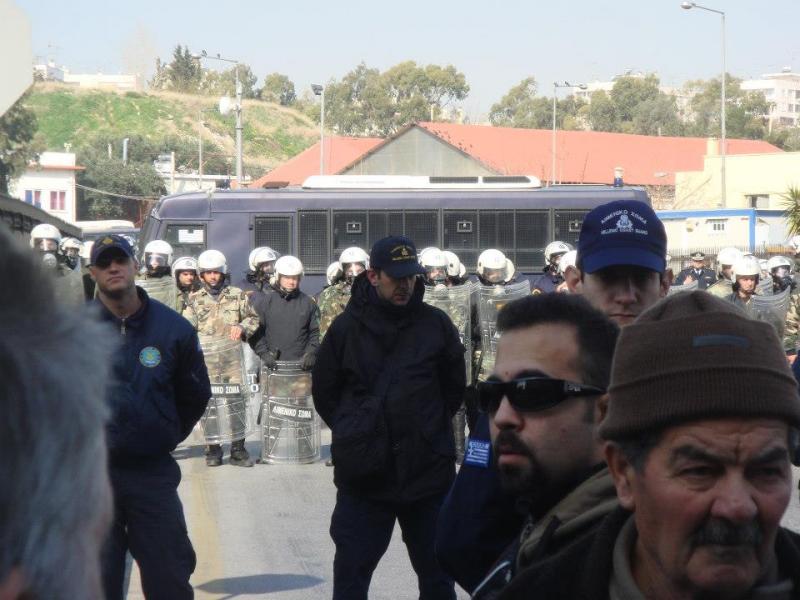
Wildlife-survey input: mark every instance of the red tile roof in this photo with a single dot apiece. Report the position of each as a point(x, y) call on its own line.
point(339, 152)
point(584, 156)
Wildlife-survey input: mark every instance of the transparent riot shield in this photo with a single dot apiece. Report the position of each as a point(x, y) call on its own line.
point(456, 302)
point(765, 286)
point(290, 428)
point(721, 289)
point(227, 417)
point(771, 309)
point(686, 287)
point(69, 288)
point(162, 289)
point(491, 299)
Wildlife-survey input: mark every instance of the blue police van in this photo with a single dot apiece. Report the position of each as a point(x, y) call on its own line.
point(327, 214)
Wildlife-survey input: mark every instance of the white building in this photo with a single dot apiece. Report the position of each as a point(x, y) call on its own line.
point(119, 82)
point(49, 185)
point(783, 91)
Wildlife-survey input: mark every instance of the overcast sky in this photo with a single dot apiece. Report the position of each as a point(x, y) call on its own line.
point(496, 44)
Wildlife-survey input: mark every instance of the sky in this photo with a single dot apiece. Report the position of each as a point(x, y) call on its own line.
point(495, 44)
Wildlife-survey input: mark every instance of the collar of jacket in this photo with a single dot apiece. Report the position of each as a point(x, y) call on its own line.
point(377, 314)
point(585, 505)
point(284, 294)
point(131, 321)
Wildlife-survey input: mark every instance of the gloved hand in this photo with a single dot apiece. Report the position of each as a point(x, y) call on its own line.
point(270, 359)
point(309, 358)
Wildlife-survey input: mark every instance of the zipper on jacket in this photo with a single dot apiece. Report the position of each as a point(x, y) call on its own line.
point(122, 326)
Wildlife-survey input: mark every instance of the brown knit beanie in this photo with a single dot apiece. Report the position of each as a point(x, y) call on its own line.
point(693, 356)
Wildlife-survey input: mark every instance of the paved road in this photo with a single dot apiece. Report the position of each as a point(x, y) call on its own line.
point(263, 532)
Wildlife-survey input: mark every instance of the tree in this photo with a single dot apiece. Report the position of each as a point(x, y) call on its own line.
point(520, 107)
point(746, 113)
point(657, 116)
point(791, 204)
point(602, 113)
point(136, 179)
point(223, 83)
point(17, 147)
point(184, 73)
point(629, 92)
point(278, 88)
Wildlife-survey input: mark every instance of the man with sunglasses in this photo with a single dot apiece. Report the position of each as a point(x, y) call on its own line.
point(160, 391)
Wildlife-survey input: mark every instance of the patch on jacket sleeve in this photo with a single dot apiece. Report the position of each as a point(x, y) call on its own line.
point(478, 453)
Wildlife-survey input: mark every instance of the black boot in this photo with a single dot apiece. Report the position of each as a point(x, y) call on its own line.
point(239, 455)
point(459, 421)
point(213, 455)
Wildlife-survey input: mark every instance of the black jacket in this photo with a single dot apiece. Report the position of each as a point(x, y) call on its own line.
point(289, 324)
point(704, 278)
point(415, 354)
point(582, 571)
point(160, 387)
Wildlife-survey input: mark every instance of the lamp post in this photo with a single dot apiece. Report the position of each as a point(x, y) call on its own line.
point(319, 90)
point(200, 146)
point(237, 108)
point(722, 148)
point(556, 85)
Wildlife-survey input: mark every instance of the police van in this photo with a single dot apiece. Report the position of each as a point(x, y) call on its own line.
point(327, 214)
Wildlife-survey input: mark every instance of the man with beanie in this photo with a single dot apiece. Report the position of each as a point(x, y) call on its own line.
point(701, 426)
point(389, 377)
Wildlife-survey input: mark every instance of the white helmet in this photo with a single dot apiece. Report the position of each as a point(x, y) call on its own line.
point(289, 266)
point(354, 254)
point(158, 247)
point(71, 243)
point(334, 272)
point(553, 249)
point(567, 260)
point(779, 261)
point(45, 231)
point(454, 266)
point(511, 270)
point(433, 258)
point(86, 250)
point(491, 259)
point(746, 265)
point(212, 260)
point(728, 256)
point(184, 263)
point(261, 255)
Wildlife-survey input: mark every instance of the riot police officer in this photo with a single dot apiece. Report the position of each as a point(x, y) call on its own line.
point(456, 271)
point(725, 261)
point(746, 274)
point(494, 268)
point(71, 249)
point(566, 264)
point(551, 278)
point(157, 260)
point(352, 261)
point(262, 265)
point(780, 268)
point(45, 241)
point(184, 270)
point(435, 264)
point(698, 272)
point(219, 310)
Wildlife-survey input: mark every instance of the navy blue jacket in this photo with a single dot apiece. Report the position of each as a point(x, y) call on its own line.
point(477, 521)
point(160, 385)
point(547, 282)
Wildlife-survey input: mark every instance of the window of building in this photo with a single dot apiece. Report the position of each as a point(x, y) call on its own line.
point(758, 200)
point(34, 197)
point(57, 200)
point(716, 226)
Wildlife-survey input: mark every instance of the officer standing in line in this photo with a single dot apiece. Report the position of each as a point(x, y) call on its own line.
point(71, 249)
point(45, 241)
point(184, 270)
point(160, 390)
point(222, 310)
point(746, 274)
point(698, 272)
point(435, 263)
point(456, 271)
point(780, 268)
point(262, 265)
point(494, 268)
point(551, 278)
point(353, 261)
point(157, 260)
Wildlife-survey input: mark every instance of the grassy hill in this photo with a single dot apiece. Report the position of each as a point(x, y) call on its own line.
point(272, 133)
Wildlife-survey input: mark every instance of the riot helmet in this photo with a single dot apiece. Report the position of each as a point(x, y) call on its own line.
point(354, 261)
point(288, 272)
point(553, 253)
point(567, 261)
point(71, 249)
point(262, 261)
point(157, 258)
point(45, 238)
point(726, 258)
point(435, 263)
point(492, 267)
point(184, 270)
point(334, 273)
point(780, 268)
point(212, 260)
point(747, 267)
point(455, 270)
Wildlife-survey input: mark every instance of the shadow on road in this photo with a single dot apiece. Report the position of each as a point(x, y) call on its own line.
point(258, 584)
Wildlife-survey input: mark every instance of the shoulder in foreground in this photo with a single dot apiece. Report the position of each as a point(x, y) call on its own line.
point(169, 319)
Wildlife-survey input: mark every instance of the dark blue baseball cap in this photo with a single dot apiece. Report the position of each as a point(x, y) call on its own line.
point(108, 242)
point(623, 232)
point(396, 256)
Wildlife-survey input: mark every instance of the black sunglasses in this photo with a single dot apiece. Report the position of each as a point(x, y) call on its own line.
point(530, 394)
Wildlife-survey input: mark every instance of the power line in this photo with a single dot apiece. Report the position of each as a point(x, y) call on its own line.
point(106, 193)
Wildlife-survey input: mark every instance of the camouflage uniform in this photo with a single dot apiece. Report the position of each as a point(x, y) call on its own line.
point(163, 293)
point(332, 301)
point(790, 334)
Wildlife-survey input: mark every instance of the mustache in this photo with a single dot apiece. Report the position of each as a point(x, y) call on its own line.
point(719, 532)
point(510, 440)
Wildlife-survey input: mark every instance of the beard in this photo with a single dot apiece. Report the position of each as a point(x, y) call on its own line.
point(527, 480)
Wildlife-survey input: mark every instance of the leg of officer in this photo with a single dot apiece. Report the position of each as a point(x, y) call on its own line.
point(157, 533)
point(361, 530)
point(418, 524)
point(113, 556)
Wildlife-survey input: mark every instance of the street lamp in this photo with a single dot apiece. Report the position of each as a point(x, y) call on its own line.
point(319, 90)
point(237, 107)
point(557, 85)
point(722, 149)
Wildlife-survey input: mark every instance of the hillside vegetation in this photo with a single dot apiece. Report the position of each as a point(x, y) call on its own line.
point(272, 133)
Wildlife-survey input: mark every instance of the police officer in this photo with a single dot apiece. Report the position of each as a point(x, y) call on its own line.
point(184, 270)
point(780, 268)
point(45, 241)
point(71, 249)
point(551, 278)
point(456, 271)
point(157, 260)
point(352, 262)
point(565, 266)
point(494, 268)
point(746, 274)
point(697, 272)
point(221, 310)
point(435, 263)
point(262, 265)
point(161, 389)
point(289, 318)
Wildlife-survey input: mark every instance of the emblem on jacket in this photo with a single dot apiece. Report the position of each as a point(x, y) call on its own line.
point(150, 357)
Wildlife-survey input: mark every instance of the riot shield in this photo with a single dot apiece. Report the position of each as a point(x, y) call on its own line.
point(721, 289)
point(686, 287)
point(162, 289)
point(69, 288)
point(456, 302)
point(765, 286)
point(491, 299)
point(771, 309)
point(227, 417)
point(290, 429)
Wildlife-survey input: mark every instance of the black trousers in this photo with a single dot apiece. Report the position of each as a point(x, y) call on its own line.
point(362, 530)
point(149, 521)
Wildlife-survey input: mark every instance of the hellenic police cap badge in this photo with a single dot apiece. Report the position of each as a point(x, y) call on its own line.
point(150, 357)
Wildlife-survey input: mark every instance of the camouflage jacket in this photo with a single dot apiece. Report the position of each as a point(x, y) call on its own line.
point(332, 301)
point(790, 333)
point(213, 316)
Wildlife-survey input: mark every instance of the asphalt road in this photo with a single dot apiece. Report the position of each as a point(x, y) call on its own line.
point(263, 532)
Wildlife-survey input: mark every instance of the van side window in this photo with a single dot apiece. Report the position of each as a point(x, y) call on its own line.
point(186, 239)
point(275, 232)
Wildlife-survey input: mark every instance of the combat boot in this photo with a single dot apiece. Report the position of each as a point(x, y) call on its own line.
point(239, 455)
point(213, 455)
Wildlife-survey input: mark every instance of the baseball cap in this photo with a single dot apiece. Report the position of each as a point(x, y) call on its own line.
point(396, 256)
point(107, 242)
point(623, 232)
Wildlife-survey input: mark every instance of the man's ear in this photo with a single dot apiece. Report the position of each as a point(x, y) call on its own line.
point(601, 409)
point(573, 279)
point(372, 275)
point(91, 273)
point(622, 472)
point(666, 281)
